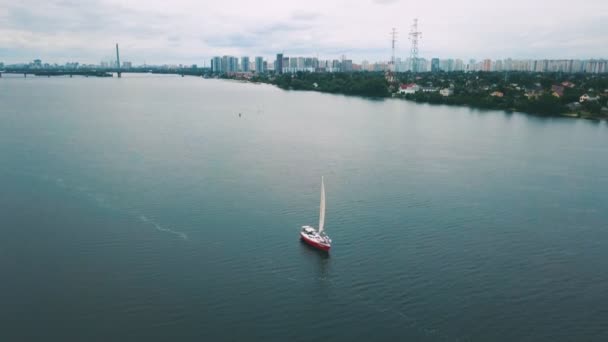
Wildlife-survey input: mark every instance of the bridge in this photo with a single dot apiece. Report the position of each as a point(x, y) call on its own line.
point(103, 72)
point(58, 72)
point(106, 72)
point(93, 72)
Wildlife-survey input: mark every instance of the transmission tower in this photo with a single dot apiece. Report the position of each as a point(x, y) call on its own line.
point(414, 36)
point(390, 77)
point(393, 42)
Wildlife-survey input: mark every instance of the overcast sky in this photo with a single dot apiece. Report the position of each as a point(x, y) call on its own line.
point(190, 31)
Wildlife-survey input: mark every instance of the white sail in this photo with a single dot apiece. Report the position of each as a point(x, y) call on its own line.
point(322, 207)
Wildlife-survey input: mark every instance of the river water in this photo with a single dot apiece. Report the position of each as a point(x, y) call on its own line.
point(146, 209)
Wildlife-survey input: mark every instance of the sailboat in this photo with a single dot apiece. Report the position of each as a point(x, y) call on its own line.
point(317, 238)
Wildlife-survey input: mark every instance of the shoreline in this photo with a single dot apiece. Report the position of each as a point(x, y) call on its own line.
point(568, 115)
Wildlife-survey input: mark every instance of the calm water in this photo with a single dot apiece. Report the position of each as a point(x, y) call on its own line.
point(145, 209)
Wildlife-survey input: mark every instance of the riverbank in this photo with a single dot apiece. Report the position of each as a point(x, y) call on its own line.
point(538, 107)
point(536, 94)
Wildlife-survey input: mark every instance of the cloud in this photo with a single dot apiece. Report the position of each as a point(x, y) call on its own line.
point(385, 2)
point(304, 15)
point(185, 31)
point(281, 28)
point(234, 40)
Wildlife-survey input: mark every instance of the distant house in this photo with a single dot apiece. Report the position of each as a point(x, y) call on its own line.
point(574, 106)
point(497, 94)
point(409, 88)
point(557, 90)
point(246, 75)
point(586, 97)
point(568, 84)
point(429, 89)
point(446, 92)
point(534, 92)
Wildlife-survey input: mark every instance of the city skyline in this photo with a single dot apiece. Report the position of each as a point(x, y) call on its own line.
point(291, 64)
point(182, 31)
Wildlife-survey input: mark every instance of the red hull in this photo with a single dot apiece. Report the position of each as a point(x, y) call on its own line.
point(315, 244)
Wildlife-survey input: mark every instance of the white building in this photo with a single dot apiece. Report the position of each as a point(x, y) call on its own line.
point(446, 92)
point(410, 88)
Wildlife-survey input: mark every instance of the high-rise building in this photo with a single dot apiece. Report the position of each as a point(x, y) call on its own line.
point(602, 66)
point(259, 65)
point(508, 64)
point(577, 66)
point(435, 65)
point(471, 65)
point(233, 65)
point(216, 64)
point(285, 63)
point(487, 65)
point(450, 65)
point(293, 64)
point(458, 65)
point(245, 64)
point(229, 64)
point(402, 65)
point(569, 66)
point(309, 64)
point(347, 65)
point(423, 65)
point(498, 65)
point(300, 65)
point(365, 66)
point(224, 65)
point(380, 66)
point(335, 65)
point(595, 66)
point(278, 66)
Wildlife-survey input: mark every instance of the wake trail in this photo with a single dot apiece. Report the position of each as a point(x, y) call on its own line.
point(410, 321)
point(160, 228)
point(101, 201)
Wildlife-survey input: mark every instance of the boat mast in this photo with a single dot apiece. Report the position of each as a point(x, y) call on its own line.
point(322, 207)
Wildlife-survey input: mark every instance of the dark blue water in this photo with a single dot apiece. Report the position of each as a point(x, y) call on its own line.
point(145, 209)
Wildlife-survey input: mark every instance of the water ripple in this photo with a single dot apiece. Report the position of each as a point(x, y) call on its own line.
point(102, 202)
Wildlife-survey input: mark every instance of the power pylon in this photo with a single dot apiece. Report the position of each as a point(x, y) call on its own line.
point(390, 77)
point(393, 42)
point(414, 36)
